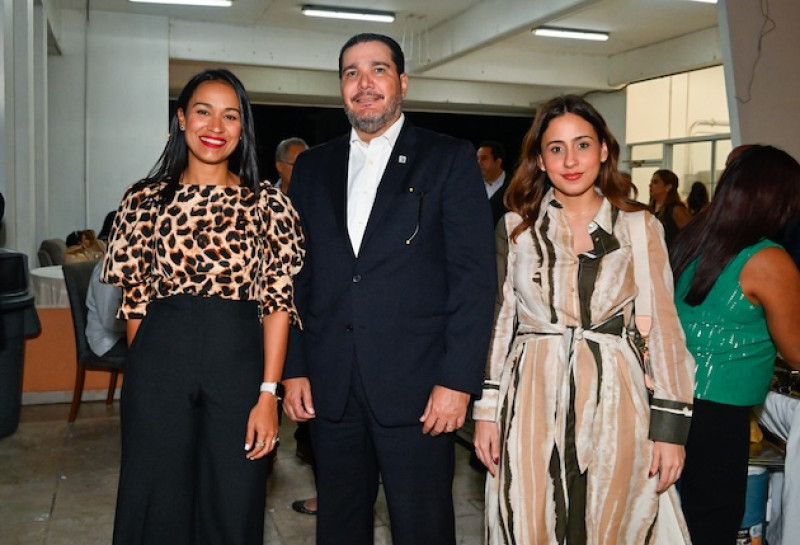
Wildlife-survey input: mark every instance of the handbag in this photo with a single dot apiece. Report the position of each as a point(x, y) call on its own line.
point(642, 313)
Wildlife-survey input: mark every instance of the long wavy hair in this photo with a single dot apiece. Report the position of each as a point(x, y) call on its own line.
point(757, 195)
point(175, 157)
point(530, 183)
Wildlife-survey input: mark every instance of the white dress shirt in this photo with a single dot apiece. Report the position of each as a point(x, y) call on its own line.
point(365, 170)
point(492, 187)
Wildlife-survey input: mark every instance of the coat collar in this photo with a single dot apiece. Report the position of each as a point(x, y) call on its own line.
point(601, 228)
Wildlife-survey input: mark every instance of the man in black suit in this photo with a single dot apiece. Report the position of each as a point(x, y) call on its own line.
point(491, 159)
point(396, 298)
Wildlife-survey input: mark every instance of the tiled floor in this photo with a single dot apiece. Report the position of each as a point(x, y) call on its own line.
point(58, 484)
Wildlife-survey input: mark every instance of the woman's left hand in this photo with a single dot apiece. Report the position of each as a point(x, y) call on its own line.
point(262, 427)
point(668, 459)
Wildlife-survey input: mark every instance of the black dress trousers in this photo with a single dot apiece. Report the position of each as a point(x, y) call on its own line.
point(416, 471)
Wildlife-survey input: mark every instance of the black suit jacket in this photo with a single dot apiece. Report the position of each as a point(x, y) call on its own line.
point(415, 308)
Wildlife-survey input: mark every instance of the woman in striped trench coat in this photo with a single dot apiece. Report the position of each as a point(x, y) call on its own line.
point(577, 451)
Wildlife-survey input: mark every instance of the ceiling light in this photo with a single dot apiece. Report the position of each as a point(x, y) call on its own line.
point(347, 13)
point(706, 1)
point(212, 3)
point(553, 32)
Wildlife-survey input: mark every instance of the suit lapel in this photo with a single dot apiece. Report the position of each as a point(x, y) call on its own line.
point(394, 178)
point(340, 156)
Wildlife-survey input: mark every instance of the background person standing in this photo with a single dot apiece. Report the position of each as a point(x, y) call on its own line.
point(285, 155)
point(491, 160)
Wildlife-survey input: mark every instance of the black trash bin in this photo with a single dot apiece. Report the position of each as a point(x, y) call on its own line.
point(18, 320)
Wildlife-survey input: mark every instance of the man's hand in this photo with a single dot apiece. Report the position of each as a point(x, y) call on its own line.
point(297, 402)
point(445, 412)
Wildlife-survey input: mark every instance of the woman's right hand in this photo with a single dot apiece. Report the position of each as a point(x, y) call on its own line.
point(487, 444)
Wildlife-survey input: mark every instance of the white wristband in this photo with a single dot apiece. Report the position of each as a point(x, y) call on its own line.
point(274, 388)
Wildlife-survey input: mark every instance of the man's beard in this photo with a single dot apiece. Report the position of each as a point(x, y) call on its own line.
point(374, 122)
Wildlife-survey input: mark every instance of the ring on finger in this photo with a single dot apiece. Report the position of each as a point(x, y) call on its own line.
point(260, 444)
point(276, 439)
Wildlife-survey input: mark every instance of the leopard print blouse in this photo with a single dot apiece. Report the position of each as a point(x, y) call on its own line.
point(209, 241)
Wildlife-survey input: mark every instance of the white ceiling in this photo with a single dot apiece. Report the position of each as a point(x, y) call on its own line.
point(475, 42)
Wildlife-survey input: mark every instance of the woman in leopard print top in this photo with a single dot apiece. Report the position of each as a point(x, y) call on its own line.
point(205, 256)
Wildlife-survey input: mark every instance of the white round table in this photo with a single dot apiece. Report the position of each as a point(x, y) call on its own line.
point(48, 287)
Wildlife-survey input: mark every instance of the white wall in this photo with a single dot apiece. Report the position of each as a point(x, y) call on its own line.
point(108, 114)
point(128, 105)
point(67, 128)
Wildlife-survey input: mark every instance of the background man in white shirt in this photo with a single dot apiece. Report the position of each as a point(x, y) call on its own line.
point(491, 159)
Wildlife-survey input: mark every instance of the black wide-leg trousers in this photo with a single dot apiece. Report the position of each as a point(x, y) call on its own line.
point(192, 378)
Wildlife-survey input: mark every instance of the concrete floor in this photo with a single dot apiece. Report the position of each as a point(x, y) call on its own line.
point(58, 484)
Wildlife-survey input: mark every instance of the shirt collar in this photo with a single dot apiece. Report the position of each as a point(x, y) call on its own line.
point(499, 180)
point(390, 136)
point(603, 219)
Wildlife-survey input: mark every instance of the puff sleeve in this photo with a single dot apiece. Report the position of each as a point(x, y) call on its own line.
point(129, 257)
point(283, 252)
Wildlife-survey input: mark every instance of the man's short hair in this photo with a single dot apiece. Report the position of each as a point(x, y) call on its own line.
point(398, 58)
point(282, 151)
point(498, 151)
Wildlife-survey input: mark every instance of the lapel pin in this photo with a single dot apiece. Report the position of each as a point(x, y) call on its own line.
point(401, 159)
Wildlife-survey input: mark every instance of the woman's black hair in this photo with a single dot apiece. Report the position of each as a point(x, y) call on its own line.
point(175, 157)
point(669, 179)
point(698, 198)
point(756, 197)
point(73, 239)
point(108, 222)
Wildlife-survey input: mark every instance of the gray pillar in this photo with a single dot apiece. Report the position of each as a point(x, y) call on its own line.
point(7, 229)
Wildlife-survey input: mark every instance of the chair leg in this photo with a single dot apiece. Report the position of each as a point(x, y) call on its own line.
point(112, 387)
point(80, 376)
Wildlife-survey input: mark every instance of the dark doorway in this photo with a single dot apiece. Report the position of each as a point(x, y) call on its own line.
point(317, 125)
